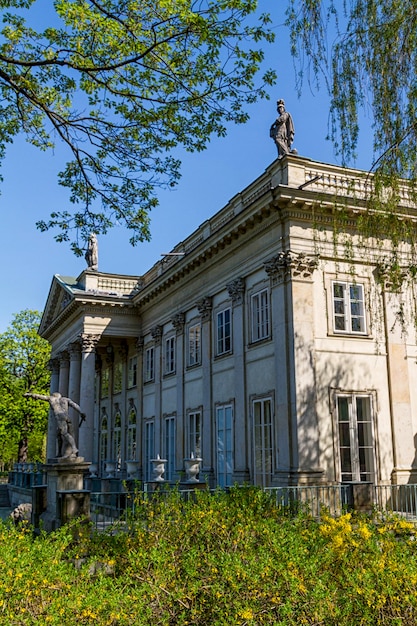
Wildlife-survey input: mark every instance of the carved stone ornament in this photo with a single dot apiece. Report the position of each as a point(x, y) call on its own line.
point(140, 342)
point(291, 265)
point(236, 290)
point(156, 333)
point(205, 306)
point(178, 322)
point(89, 342)
point(389, 280)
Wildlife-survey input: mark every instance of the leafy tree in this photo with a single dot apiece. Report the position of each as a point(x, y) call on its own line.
point(365, 52)
point(121, 83)
point(24, 357)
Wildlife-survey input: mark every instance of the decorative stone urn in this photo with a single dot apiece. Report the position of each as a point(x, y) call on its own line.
point(110, 469)
point(93, 469)
point(132, 468)
point(158, 469)
point(192, 468)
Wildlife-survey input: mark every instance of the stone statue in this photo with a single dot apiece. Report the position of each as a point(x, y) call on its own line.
point(60, 408)
point(91, 256)
point(22, 454)
point(282, 130)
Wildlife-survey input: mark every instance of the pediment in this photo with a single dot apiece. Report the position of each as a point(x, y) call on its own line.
point(61, 294)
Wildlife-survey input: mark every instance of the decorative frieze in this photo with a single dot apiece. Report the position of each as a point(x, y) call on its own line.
point(205, 306)
point(236, 290)
point(178, 322)
point(156, 333)
point(291, 265)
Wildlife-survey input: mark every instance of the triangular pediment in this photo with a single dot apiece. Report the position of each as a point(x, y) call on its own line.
point(61, 294)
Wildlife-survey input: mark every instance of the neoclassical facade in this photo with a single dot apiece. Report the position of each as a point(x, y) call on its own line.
point(259, 346)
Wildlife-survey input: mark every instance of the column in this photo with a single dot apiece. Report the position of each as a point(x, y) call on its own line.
point(156, 333)
point(86, 432)
point(178, 322)
point(205, 307)
point(52, 434)
point(140, 448)
point(236, 291)
point(74, 350)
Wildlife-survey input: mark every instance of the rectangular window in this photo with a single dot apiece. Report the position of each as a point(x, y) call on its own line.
point(132, 372)
point(105, 382)
point(149, 364)
point(224, 423)
point(194, 345)
point(260, 315)
point(170, 447)
point(170, 355)
point(263, 442)
point(356, 440)
point(224, 331)
point(117, 377)
point(149, 449)
point(194, 434)
point(348, 308)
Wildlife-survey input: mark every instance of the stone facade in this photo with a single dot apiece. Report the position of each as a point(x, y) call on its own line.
point(260, 349)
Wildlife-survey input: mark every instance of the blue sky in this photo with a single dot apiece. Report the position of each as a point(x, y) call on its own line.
point(29, 258)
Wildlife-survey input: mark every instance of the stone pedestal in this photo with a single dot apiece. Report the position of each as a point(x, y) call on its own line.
point(65, 493)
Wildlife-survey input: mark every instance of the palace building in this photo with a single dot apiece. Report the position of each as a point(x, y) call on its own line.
point(268, 345)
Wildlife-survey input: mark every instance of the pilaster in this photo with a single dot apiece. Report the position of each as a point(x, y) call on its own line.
point(293, 320)
point(205, 307)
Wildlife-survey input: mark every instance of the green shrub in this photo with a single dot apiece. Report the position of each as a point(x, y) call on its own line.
point(222, 559)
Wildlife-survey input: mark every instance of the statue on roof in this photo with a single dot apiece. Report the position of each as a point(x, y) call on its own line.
point(282, 130)
point(91, 255)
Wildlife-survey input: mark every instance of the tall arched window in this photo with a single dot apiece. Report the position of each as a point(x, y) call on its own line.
point(117, 438)
point(131, 433)
point(104, 437)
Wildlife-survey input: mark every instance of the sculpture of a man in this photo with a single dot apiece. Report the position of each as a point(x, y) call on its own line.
point(91, 255)
point(60, 408)
point(282, 130)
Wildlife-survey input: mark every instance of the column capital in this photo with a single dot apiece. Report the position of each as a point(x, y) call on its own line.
point(291, 265)
point(74, 350)
point(89, 342)
point(63, 358)
point(53, 365)
point(156, 333)
point(236, 290)
point(205, 306)
point(140, 342)
point(178, 322)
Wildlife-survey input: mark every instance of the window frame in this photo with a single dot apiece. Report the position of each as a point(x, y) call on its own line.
point(347, 303)
point(170, 446)
point(170, 355)
point(266, 477)
point(224, 332)
point(260, 315)
point(369, 473)
point(194, 432)
point(194, 345)
point(224, 475)
point(132, 372)
point(149, 369)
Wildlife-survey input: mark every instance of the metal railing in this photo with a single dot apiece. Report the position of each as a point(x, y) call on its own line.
point(118, 508)
point(399, 499)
